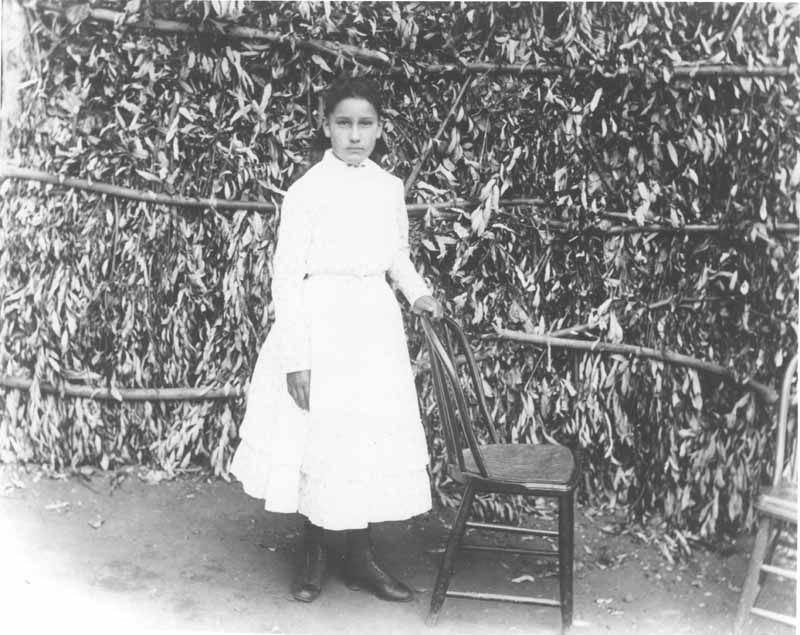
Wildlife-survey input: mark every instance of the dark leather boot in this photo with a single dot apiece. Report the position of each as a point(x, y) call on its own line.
point(362, 572)
point(307, 584)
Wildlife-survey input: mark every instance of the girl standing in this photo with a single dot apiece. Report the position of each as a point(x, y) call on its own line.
point(332, 428)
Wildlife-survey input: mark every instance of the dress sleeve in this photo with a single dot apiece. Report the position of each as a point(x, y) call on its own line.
point(402, 271)
point(289, 269)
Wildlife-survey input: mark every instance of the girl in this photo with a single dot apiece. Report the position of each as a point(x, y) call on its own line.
point(332, 428)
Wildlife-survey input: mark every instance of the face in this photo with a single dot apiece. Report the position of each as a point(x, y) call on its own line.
point(353, 128)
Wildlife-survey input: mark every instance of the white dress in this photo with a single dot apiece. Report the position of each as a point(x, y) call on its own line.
point(359, 454)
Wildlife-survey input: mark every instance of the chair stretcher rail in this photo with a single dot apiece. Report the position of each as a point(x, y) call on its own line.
point(544, 553)
point(519, 599)
point(786, 573)
point(512, 529)
point(776, 617)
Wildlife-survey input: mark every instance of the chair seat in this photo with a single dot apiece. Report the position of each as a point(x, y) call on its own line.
point(780, 501)
point(531, 466)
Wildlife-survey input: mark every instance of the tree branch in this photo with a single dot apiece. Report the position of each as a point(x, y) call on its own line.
point(463, 91)
point(767, 392)
point(734, 23)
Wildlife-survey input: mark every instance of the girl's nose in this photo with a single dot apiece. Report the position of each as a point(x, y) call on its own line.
point(355, 134)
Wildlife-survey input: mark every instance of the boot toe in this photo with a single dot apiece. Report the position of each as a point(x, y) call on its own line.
point(397, 593)
point(306, 593)
point(381, 586)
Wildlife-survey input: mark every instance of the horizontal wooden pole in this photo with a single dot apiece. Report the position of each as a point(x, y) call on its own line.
point(780, 228)
point(415, 210)
point(702, 69)
point(125, 394)
point(14, 172)
point(767, 392)
point(554, 340)
point(218, 28)
point(151, 394)
point(684, 70)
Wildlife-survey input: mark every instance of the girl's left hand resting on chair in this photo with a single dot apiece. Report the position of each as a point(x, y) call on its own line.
point(428, 304)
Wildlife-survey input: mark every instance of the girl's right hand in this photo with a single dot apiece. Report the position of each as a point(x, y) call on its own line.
point(299, 385)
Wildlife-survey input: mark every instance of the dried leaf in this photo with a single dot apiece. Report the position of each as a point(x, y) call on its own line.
point(77, 13)
point(523, 578)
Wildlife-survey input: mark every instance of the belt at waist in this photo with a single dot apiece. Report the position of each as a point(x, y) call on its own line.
point(344, 274)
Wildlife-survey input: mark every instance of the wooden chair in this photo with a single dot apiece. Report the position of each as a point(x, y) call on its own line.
point(502, 468)
point(776, 507)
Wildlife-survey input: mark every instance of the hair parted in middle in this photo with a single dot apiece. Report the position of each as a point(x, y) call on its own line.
point(346, 87)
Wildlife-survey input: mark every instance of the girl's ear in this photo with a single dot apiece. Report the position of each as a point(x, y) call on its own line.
point(326, 127)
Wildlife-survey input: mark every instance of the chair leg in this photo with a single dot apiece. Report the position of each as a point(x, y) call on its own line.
point(750, 586)
point(448, 560)
point(566, 549)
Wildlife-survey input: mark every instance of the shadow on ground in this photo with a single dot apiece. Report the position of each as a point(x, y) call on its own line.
point(115, 551)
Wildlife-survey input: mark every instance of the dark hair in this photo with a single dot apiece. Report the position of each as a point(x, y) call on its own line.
point(346, 87)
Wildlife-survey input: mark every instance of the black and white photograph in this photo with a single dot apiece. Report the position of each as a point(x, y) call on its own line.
point(399, 317)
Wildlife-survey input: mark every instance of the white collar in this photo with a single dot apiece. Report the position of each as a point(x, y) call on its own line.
point(330, 158)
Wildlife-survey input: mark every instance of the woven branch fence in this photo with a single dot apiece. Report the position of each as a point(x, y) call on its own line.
point(628, 174)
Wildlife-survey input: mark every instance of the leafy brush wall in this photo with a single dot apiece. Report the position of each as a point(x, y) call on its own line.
point(611, 149)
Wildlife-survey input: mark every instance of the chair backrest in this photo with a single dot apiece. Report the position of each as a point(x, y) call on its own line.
point(459, 395)
point(783, 419)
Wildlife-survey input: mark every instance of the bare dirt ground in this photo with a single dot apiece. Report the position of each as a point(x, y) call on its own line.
point(128, 551)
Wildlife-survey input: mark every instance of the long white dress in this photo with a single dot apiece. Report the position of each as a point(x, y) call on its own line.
point(359, 454)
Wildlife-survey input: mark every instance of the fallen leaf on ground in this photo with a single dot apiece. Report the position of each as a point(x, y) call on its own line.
point(602, 601)
point(57, 506)
point(96, 523)
point(154, 477)
point(524, 578)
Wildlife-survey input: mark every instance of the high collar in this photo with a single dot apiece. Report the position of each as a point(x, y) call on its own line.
point(329, 158)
